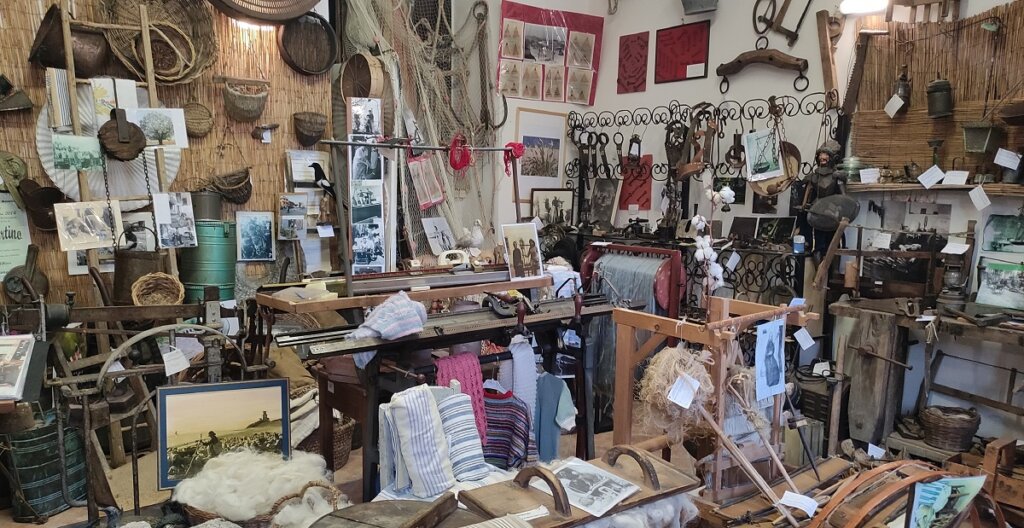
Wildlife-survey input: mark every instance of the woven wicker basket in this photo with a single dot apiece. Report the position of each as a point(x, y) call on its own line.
point(198, 119)
point(245, 103)
point(157, 288)
point(197, 516)
point(950, 428)
point(342, 442)
point(309, 127)
point(235, 187)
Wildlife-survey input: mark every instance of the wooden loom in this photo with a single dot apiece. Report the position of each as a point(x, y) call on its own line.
point(727, 318)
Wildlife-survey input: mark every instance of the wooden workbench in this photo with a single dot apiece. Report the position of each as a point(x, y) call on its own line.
point(947, 326)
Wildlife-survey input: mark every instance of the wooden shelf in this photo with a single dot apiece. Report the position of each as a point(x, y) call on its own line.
point(991, 189)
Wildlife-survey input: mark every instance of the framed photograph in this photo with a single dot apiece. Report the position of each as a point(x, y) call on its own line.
point(743, 228)
point(368, 243)
point(544, 44)
point(542, 134)
point(364, 116)
point(762, 148)
point(1001, 284)
point(367, 200)
point(300, 165)
point(522, 250)
point(439, 234)
point(365, 162)
point(942, 503)
point(199, 422)
point(604, 202)
point(776, 230)
point(291, 228)
point(292, 204)
point(175, 220)
point(76, 152)
point(681, 52)
point(512, 39)
point(1004, 234)
point(770, 359)
point(510, 73)
point(88, 225)
point(140, 232)
point(255, 236)
point(552, 206)
point(581, 49)
point(163, 127)
point(580, 82)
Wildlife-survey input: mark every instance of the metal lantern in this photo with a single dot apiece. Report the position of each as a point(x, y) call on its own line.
point(940, 99)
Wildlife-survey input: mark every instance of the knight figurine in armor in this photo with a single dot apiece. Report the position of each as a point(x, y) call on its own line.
point(825, 181)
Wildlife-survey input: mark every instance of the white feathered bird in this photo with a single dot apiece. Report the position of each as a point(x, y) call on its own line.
point(471, 240)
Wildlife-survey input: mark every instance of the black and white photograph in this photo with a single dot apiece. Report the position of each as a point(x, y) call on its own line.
point(300, 164)
point(255, 235)
point(776, 230)
point(510, 74)
point(439, 234)
point(532, 81)
point(762, 151)
point(367, 200)
point(175, 220)
point(88, 225)
point(76, 152)
point(368, 242)
point(554, 83)
point(199, 422)
point(913, 226)
point(139, 232)
point(163, 127)
point(292, 204)
point(552, 206)
point(544, 44)
point(512, 39)
point(1004, 234)
point(589, 487)
point(942, 503)
point(365, 116)
point(578, 90)
point(770, 359)
point(291, 228)
point(78, 261)
point(365, 163)
point(581, 49)
point(604, 202)
point(522, 250)
point(1001, 284)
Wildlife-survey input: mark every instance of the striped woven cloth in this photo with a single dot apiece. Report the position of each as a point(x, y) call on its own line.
point(464, 447)
point(508, 430)
point(422, 448)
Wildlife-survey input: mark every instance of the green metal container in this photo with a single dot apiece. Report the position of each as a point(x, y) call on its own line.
point(33, 471)
point(212, 263)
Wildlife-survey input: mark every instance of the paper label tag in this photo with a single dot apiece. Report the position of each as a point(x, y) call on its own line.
point(926, 318)
point(733, 261)
point(600, 243)
point(870, 175)
point(325, 231)
point(116, 366)
point(931, 176)
point(821, 367)
point(683, 391)
point(882, 240)
point(876, 452)
point(894, 105)
point(803, 337)
point(265, 136)
point(980, 198)
point(696, 70)
point(538, 222)
point(1008, 159)
point(955, 248)
point(634, 209)
point(803, 502)
point(665, 203)
point(956, 177)
point(174, 361)
point(797, 301)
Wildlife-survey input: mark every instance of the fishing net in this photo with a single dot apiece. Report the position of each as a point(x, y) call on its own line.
point(431, 65)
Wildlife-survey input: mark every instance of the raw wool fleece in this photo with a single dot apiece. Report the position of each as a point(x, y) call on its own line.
point(671, 512)
point(243, 484)
point(302, 514)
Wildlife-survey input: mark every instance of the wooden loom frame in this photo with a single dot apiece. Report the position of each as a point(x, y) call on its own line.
point(727, 318)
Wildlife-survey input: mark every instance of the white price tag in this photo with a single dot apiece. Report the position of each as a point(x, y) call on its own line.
point(980, 199)
point(925, 318)
point(821, 367)
point(894, 105)
point(931, 176)
point(683, 391)
point(694, 71)
point(174, 361)
point(882, 240)
point(634, 209)
point(1008, 159)
point(870, 175)
point(116, 366)
point(803, 502)
point(797, 301)
point(733, 261)
point(956, 177)
point(955, 248)
point(876, 452)
point(804, 338)
point(325, 231)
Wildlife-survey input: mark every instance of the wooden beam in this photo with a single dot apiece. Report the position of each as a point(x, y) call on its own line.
point(684, 330)
point(828, 59)
point(625, 350)
point(974, 398)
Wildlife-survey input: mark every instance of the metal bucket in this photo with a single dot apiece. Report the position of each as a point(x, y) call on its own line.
point(940, 99)
point(34, 468)
point(207, 205)
point(129, 265)
point(692, 7)
point(90, 48)
point(212, 263)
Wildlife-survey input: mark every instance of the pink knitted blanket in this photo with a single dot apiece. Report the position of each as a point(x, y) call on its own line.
point(466, 369)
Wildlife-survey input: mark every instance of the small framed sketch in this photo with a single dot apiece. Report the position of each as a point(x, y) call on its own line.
point(522, 250)
point(88, 225)
point(255, 236)
point(199, 422)
point(762, 150)
point(770, 359)
point(552, 206)
point(291, 216)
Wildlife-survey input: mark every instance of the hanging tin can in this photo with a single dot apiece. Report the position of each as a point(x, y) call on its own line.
point(940, 99)
point(903, 87)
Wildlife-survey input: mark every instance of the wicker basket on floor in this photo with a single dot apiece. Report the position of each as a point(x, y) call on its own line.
point(197, 517)
point(157, 288)
point(342, 442)
point(950, 428)
point(333, 496)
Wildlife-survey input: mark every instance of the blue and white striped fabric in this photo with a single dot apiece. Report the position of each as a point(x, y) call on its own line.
point(464, 447)
point(421, 449)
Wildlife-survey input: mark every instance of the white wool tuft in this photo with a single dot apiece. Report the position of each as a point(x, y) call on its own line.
point(217, 523)
point(243, 484)
point(301, 514)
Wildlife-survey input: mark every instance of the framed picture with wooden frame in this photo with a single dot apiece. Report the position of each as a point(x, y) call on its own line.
point(542, 166)
point(552, 206)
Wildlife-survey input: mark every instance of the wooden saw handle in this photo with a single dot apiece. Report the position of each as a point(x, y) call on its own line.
point(771, 57)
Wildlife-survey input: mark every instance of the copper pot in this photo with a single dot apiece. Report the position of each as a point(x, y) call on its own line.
point(90, 47)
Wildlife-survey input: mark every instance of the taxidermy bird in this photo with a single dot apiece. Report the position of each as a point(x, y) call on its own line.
point(471, 239)
point(320, 177)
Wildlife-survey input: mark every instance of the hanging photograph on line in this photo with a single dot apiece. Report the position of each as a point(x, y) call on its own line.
point(365, 162)
point(770, 359)
point(522, 250)
point(87, 225)
point(512, 39)
point(76, 152)
point(545, 44)
point(255, 236)
point(762, 151)
point(365, 116)
point(368, 243)
point(1004, 234)
point(439, 234)
point(175, 220)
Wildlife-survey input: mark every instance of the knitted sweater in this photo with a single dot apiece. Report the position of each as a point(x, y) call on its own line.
point(508, 430)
